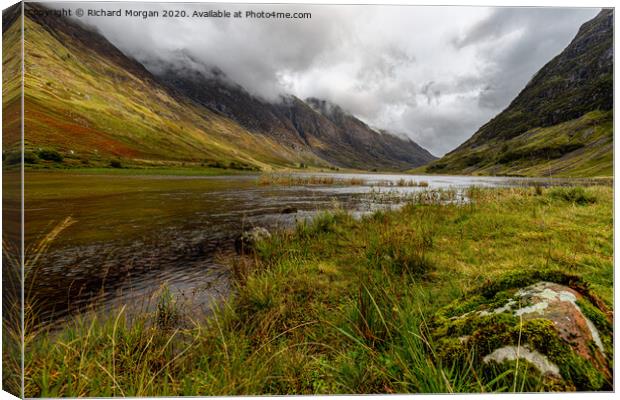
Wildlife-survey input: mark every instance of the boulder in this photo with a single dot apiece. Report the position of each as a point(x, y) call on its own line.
point(288, 210)
point(550, 335)
point(248, 239)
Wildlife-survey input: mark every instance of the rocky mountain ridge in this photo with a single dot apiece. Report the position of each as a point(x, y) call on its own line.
point(561, 123)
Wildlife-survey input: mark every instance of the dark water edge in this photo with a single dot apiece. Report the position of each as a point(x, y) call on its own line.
point(133, 236)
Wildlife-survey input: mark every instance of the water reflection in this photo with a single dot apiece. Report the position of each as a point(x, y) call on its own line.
point(136, 233)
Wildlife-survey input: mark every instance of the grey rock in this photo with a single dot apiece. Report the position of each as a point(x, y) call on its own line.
point(247, 240)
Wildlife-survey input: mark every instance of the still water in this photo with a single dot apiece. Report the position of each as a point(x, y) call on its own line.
point(133, 234)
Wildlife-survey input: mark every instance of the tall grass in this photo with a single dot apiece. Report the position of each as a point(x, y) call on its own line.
point(302, 180)
point(409, 183)
point(11, 317)
point(337, 305)
point(577, 195)
point(20, 321)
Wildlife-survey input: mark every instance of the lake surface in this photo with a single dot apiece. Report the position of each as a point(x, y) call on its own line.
point(133, 234)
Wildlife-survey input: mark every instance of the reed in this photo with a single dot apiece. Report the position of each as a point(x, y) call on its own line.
point(302, 180)
point(339, 304)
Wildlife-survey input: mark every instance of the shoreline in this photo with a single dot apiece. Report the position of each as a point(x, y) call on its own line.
point(299, 299)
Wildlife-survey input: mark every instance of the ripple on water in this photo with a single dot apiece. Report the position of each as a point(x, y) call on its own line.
point(174, 237)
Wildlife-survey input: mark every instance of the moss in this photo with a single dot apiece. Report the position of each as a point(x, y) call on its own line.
point(595, 315)
point(471, 338)
point(602, 324)
point(522, 278)
point(481, 333)
point(576, 195)
point(462, 307)
point(468, 338)
point(465, 336)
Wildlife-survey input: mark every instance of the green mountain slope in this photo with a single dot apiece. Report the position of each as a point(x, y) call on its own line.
point(92, 104)
point(560, 124)
point(88, 104)
point(324, 128)
point(11, 76)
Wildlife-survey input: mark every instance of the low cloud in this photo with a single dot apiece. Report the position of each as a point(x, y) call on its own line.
point(435, 74)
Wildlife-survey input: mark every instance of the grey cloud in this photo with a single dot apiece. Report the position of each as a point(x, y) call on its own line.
point(435, 73)
point(253, 53)
point(431, 92)
point(441, 131)
point(540, 33)
point(505, 20)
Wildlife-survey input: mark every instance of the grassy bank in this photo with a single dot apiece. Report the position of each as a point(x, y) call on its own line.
point(339, 305)
point(324, 180)
point(581, 147)
point(142, 171)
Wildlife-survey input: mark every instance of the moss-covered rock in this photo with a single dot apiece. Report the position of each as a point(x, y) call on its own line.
point(536, 336)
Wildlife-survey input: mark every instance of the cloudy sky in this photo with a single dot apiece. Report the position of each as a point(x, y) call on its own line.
point(435, 74)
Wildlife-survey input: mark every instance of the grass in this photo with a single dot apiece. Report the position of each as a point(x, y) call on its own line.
point(304, 180)
point(340, 305)
point(575, 195)
point(145, 171)
point(404, 183)
point(577, 148)
point(90, 109)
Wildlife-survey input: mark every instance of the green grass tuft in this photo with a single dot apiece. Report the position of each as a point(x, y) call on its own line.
point(345, 305)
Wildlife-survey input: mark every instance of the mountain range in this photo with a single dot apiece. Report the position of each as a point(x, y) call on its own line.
point(88, 104)
point(561, 123)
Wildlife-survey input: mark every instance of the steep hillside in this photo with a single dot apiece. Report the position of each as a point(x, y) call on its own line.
point(323, 128)
point(91, 103)
point(560, 124)
point(11, 77)
point(340, 137)
point(88, 104)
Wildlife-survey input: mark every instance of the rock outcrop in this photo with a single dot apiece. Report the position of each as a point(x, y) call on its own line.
point(550, 334)
point(248, 240)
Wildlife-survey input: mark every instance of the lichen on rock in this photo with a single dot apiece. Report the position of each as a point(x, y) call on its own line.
point(564, 340)
point(513, 353)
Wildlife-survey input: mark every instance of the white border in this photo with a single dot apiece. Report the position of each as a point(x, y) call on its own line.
point(489, 3)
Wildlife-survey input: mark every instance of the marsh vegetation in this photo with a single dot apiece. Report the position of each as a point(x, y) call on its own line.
point(340, 304)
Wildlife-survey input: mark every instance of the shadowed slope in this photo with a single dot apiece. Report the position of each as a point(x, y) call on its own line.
point(560, 124)
point(88, 104)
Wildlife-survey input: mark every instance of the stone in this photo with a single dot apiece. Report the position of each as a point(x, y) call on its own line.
point(559, 304)
point(512, 353)
point(248, 239)
point(547, 325)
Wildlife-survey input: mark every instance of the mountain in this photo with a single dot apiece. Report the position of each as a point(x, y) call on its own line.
point(11, 76)
point(88, 104)
point(560, 124)
point(351, 140)
point(326, 129)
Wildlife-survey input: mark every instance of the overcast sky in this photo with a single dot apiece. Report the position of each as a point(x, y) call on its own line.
point(435, 74)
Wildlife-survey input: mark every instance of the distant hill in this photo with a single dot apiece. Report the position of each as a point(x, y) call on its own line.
point(324, 128)
point(560, 124)
point(88, 104)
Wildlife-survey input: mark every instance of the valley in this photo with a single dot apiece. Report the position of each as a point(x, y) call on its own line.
point(185, 235)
